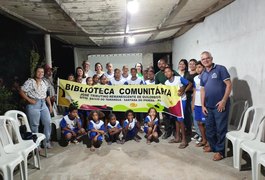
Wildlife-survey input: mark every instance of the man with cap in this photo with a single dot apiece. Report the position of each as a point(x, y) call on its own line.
point(48, 77)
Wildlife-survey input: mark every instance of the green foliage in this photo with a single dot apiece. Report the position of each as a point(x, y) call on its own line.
point(75, 104)
point(6, 99)
point(34, 61)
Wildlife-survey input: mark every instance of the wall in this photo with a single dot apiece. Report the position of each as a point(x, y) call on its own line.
point(235, 36)
point(147, 52)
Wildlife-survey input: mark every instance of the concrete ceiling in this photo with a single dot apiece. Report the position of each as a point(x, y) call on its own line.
point(106, 23)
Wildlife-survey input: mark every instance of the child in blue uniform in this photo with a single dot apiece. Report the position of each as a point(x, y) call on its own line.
point(96, 130)
point(196, 103)
point(71, 125)
point(151, 126)
point(184, 85)
point(114, 129)
point(130, 127)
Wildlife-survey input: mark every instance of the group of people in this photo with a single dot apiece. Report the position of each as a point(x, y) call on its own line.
point(204, 91)
point(135, 75)
point(73, 130)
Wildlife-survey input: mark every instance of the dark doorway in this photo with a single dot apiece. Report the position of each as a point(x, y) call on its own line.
point(166, 56)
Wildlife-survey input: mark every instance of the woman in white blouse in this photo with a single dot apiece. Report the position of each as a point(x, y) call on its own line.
point(34, 91)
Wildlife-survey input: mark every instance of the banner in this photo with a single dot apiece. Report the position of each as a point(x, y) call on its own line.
point(139, 98)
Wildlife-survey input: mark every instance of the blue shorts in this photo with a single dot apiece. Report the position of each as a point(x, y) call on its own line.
point(66, 131)
point(183, 109)
point(93, 134)
point(131, 133)
point(199, 116)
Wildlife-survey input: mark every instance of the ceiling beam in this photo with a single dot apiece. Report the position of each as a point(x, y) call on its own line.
point(169, 17)
point(210, 10)
point(138, 32)
point(68, 14)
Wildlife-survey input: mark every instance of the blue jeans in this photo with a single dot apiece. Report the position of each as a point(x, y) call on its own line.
point(216, 129)
point(39, 112)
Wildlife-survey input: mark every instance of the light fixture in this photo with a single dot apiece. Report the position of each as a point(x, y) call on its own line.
point(132, 6)
point(131, 40)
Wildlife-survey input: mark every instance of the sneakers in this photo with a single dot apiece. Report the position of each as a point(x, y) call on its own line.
point(75, 141)
point(199, 140)
point(195, 137)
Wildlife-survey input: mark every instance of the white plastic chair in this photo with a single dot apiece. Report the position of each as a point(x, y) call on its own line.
point(23, 147)
point(236, 115)
point(56, 121)
point(40, 136)
point(254, 148)
point(261, 162)
point(8, 162)
point(236, 137)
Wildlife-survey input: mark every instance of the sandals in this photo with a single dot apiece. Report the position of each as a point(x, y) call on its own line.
point(174, 141)
point(183, 145)
point(200, 144)
point(148, 142)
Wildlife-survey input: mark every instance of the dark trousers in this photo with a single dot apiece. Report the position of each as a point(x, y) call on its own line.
point(169, 123)
point(216, 129)
point(188, 118)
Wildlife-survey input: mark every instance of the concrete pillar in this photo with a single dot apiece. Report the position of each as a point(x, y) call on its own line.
point(75, 58)
point(48, 54)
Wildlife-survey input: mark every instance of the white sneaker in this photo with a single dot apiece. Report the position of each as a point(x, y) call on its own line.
point(195, 137)
point(199, 140)
point(75, 141)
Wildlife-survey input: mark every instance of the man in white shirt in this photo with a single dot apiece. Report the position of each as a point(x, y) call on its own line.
point(86, 68)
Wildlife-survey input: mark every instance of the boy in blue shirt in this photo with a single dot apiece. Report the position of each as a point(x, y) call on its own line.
point(71, 125)
point(114, 129)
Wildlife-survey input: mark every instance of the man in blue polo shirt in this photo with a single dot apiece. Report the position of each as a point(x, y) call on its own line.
point(215, 90)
